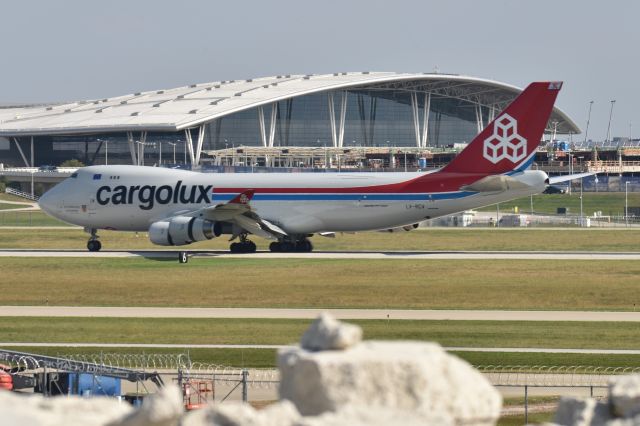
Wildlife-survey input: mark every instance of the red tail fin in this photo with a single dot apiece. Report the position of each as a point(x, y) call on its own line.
point(510, 141)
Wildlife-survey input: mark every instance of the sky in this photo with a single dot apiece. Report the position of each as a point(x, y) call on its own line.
point(83, 49)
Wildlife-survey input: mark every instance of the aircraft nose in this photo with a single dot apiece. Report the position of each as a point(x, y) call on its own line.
point(48, 200)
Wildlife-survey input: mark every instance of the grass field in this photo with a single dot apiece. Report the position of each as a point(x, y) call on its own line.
point(428, 239)
point(9, 197)
point(266, 358)
point(609, 203)
point(487, 334)
point(5, 206)
point(401, 284)
point(28, 218)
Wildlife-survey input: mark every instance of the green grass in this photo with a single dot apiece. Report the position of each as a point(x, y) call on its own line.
point(5, 206)
point(9, 197)
point(302, 283)
point(28, 218)
point(609, 203)
point(250, 358)
point(518, 420)
point(500, 334)
point(425, 240)
point(266, 358)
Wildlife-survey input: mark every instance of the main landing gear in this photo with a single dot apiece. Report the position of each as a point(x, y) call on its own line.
point(244, 246)
point(94, 244)
point(285, 246)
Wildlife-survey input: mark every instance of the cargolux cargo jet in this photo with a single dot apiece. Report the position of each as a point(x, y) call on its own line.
point(178, 207)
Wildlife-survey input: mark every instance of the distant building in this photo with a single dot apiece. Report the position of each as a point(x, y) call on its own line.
point(191, 123)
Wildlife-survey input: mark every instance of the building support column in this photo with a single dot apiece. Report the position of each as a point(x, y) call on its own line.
point(33, 164)
point(421, 134)
point(268, 139)
point(492, 114)
point(24, 157)
point(261, 123)
point(337, 137)
point(332, 120)
point(272, 124)
point(132, 149)
point(201, 132)
point(189, 143)
point(143, 141)
point(479, 120)
point(425, 120)
point(343, 115)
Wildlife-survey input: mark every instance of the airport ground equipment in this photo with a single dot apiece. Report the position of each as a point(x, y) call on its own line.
point(22, 361)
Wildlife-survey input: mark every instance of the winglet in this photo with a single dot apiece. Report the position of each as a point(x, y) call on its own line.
point(243, 198)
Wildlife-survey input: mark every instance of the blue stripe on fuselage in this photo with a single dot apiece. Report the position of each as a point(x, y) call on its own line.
point(348, 197)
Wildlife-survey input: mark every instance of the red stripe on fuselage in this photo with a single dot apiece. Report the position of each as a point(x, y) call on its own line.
point(433, 182)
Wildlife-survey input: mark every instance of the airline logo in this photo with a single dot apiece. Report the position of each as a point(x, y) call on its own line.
point(505, 142)
point(148, 195)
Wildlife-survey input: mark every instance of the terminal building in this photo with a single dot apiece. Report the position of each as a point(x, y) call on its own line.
point(262, 121)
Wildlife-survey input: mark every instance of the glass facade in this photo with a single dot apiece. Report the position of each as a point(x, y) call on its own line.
point(374, 118)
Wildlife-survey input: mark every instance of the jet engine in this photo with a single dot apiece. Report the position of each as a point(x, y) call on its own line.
point(182, 230)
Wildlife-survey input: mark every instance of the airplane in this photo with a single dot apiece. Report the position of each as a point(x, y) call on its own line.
point(179, 207)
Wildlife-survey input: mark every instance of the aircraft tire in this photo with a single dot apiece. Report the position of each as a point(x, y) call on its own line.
point(274, 247)
point(94, 245)
point(250, 247)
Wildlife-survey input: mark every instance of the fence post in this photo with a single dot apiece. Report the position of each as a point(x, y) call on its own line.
point(591, 391)
point(526, 404)
point(245, 375)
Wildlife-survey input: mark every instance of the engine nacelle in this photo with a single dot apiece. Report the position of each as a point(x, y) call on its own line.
point(182, 230)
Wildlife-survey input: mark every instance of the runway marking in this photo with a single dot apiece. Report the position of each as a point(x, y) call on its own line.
point(307, 314)
point(414, 255)
point(219, 346)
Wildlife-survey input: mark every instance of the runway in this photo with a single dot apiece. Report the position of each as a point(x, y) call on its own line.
point(344, 314)
point(413, 255)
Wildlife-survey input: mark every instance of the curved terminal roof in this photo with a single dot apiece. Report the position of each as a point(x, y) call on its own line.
point(184, 107)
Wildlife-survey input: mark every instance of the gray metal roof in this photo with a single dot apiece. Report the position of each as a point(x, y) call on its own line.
point(184, 107)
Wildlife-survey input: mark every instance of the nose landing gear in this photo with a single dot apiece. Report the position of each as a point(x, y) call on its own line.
point(94, 244)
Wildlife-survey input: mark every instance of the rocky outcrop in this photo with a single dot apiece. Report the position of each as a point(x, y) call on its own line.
point(327, 333)
point(621, 409)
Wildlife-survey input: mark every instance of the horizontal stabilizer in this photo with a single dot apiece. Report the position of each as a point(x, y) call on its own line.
point(565, 178)
point(495, 183)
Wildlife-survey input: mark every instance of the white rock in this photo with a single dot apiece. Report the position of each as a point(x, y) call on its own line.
point(402, 376)
point(282, 413)
point(160, 409)
point(624, 395)
point(361, 416)
point(36, 410)
point(327, 333)
point(581, 412)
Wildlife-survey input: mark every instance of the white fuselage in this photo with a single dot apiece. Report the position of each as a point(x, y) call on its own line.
point(131, 198)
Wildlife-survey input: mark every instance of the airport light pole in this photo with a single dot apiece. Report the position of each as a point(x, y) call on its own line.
point(160, 161)
point(581, 218)
point(613, 101)
point(586, 130)
point(626, 203)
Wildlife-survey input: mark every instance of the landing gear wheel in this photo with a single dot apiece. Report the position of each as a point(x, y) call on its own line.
point(243, 247)
point(94, 245)
point(275, 247)
point(183, 257)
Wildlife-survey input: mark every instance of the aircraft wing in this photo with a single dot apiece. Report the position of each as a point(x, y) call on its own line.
point(239, 212)
point(564, 178)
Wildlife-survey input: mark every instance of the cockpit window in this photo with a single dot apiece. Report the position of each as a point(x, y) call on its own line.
point(74, 175)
